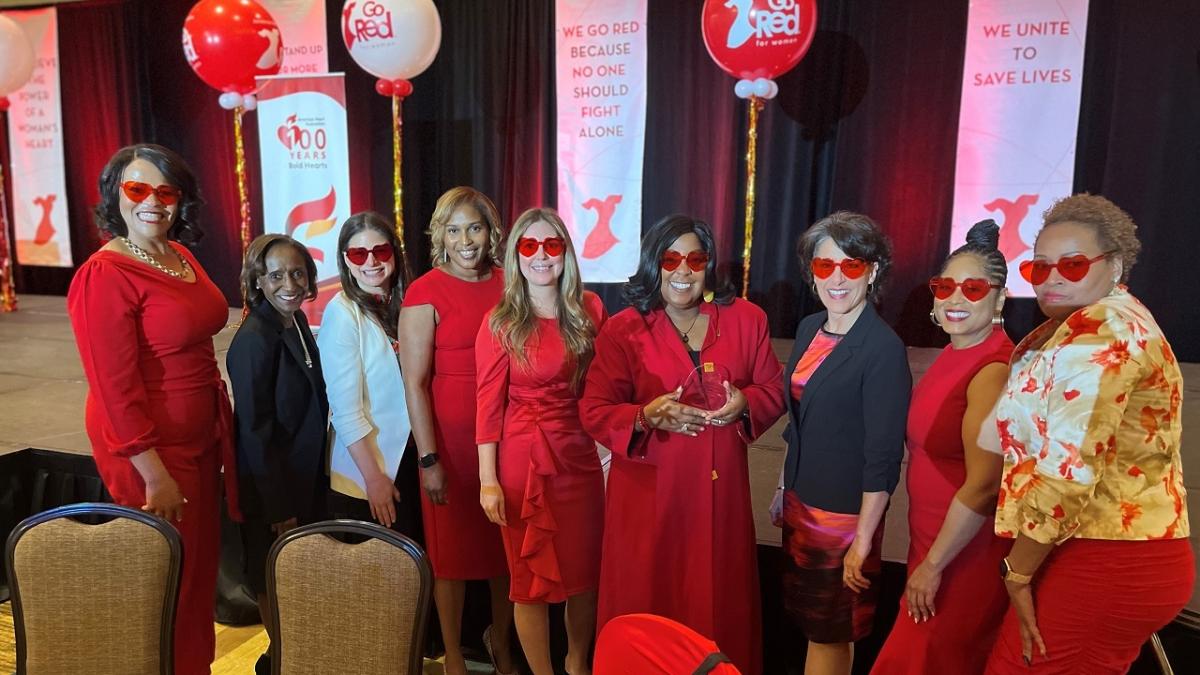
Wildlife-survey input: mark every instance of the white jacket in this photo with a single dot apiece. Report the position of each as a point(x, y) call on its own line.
point(366, 394)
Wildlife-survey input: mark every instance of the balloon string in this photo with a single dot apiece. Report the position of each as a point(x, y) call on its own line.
point(8, 292)
point(239, 151)
point(756, 104)
point(397, 180)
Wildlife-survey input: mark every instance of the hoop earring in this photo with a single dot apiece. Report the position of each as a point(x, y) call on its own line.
point(933, 319)
point(998, 320)
point(814, 289)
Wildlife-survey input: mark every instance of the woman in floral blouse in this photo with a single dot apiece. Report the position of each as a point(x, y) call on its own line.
point(1092, 489)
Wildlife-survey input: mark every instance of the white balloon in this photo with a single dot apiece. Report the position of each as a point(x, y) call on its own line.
point(762, 87)
point(16, 56)
point(392, 39)
point(774, 89)
point(743, 88)
point(229, 100)
point(249, 102)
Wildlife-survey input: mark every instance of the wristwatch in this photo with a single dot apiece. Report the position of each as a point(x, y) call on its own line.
point(428, 460)
point(1006, 571)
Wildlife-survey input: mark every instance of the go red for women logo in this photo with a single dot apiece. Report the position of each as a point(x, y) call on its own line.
point(758, 38)
point(364, 22)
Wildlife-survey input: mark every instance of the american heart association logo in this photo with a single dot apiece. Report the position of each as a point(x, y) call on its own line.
point(288, 132)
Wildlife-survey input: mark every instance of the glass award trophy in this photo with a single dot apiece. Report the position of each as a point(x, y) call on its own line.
point(704, 386)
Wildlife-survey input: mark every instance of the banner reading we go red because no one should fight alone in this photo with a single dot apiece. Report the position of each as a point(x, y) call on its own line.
point(601, 94)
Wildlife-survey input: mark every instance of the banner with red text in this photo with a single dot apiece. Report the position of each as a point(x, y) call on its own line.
point(302, 27)
point(1018, 119)
point(306, 168)
point(35, 141)
point(601, 91)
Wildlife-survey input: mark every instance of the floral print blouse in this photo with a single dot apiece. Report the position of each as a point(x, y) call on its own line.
point(1090, 428)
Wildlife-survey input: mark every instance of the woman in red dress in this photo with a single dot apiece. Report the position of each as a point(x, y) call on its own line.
point(953, 601)
point(539, 472)
point(144, 314)
point(679, 535)
point(441, 315)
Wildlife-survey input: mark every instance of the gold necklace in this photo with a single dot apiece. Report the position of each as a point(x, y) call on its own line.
point(300, 334)
point(149, 260)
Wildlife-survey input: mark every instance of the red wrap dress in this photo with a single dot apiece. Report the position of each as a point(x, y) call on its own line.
point(548, 466)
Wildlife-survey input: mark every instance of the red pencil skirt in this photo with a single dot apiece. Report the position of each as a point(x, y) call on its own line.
point(1097, 603)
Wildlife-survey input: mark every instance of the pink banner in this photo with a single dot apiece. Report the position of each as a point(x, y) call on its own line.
point(39, 186)
point(1018, 119)
point(302, 24)
point(601, 92)
point(302, 140)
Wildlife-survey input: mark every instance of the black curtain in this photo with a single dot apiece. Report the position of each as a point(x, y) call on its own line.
point(866, 122)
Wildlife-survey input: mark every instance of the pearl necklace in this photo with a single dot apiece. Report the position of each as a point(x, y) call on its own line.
point(300, 333)
point(149, 260)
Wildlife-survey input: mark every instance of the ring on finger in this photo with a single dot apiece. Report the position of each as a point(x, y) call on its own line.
point(684, 427)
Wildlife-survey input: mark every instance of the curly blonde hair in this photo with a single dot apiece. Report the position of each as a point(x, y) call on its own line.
point(1114, 228)
point(452, 200)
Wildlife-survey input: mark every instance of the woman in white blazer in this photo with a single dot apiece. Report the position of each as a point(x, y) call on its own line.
point(370, 473)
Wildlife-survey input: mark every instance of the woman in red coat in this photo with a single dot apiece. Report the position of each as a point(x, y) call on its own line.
point(539, 472)
point(678, 388)
point(158, 417)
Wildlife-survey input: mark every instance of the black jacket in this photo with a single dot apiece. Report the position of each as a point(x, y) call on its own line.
point(281, 415)
point(845, 436)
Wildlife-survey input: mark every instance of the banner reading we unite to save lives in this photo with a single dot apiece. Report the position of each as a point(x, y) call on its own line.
point(1018, 119)
point(35, 136)
point(601, 94)
point(302, 141)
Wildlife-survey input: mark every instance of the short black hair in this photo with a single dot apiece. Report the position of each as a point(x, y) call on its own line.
point(107, 214)
point(858, 236)
point(255, 265)
point(643, 291)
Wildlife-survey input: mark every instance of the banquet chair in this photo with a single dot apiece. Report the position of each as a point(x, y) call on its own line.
point(94, 597)
point(348, 607)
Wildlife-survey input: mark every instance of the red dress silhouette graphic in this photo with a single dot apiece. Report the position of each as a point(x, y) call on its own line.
point(601, 238)
point(45, 230)
point(1011, 243)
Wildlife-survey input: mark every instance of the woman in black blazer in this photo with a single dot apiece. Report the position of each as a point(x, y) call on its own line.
point(280, 408)
point(848, 387)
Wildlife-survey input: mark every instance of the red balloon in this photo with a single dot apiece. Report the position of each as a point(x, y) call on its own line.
point(384, 87)
point(229, 42)
point(402, 87)
point(750, 39)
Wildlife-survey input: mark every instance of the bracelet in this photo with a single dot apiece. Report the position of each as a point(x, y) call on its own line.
point(641, 419)
point(491, 490)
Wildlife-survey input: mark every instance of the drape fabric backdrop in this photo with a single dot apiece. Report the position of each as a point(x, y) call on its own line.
point(867, 122)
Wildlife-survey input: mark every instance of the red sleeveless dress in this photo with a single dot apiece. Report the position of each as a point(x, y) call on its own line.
point(971, 600)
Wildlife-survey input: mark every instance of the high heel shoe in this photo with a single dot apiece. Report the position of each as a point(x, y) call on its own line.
point(487, 644)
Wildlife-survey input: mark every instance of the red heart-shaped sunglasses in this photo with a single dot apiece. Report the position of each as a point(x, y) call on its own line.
point(972, 289)
point(1070, 267)
point(358, 254)
point(696, 260)
point(137, 192)
point(528, 246)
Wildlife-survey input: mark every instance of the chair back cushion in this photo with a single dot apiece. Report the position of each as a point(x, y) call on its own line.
point(347, 607)
point(92, 596)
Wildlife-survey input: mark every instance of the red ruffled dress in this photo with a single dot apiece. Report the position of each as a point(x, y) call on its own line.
point(547, 464)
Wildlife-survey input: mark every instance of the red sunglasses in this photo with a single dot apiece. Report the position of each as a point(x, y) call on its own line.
point(528, 246)
point(137, 192)
point(696, 260)
point(358, 254)
point(853, 268)
point(1071, 267)
point(972, 289)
